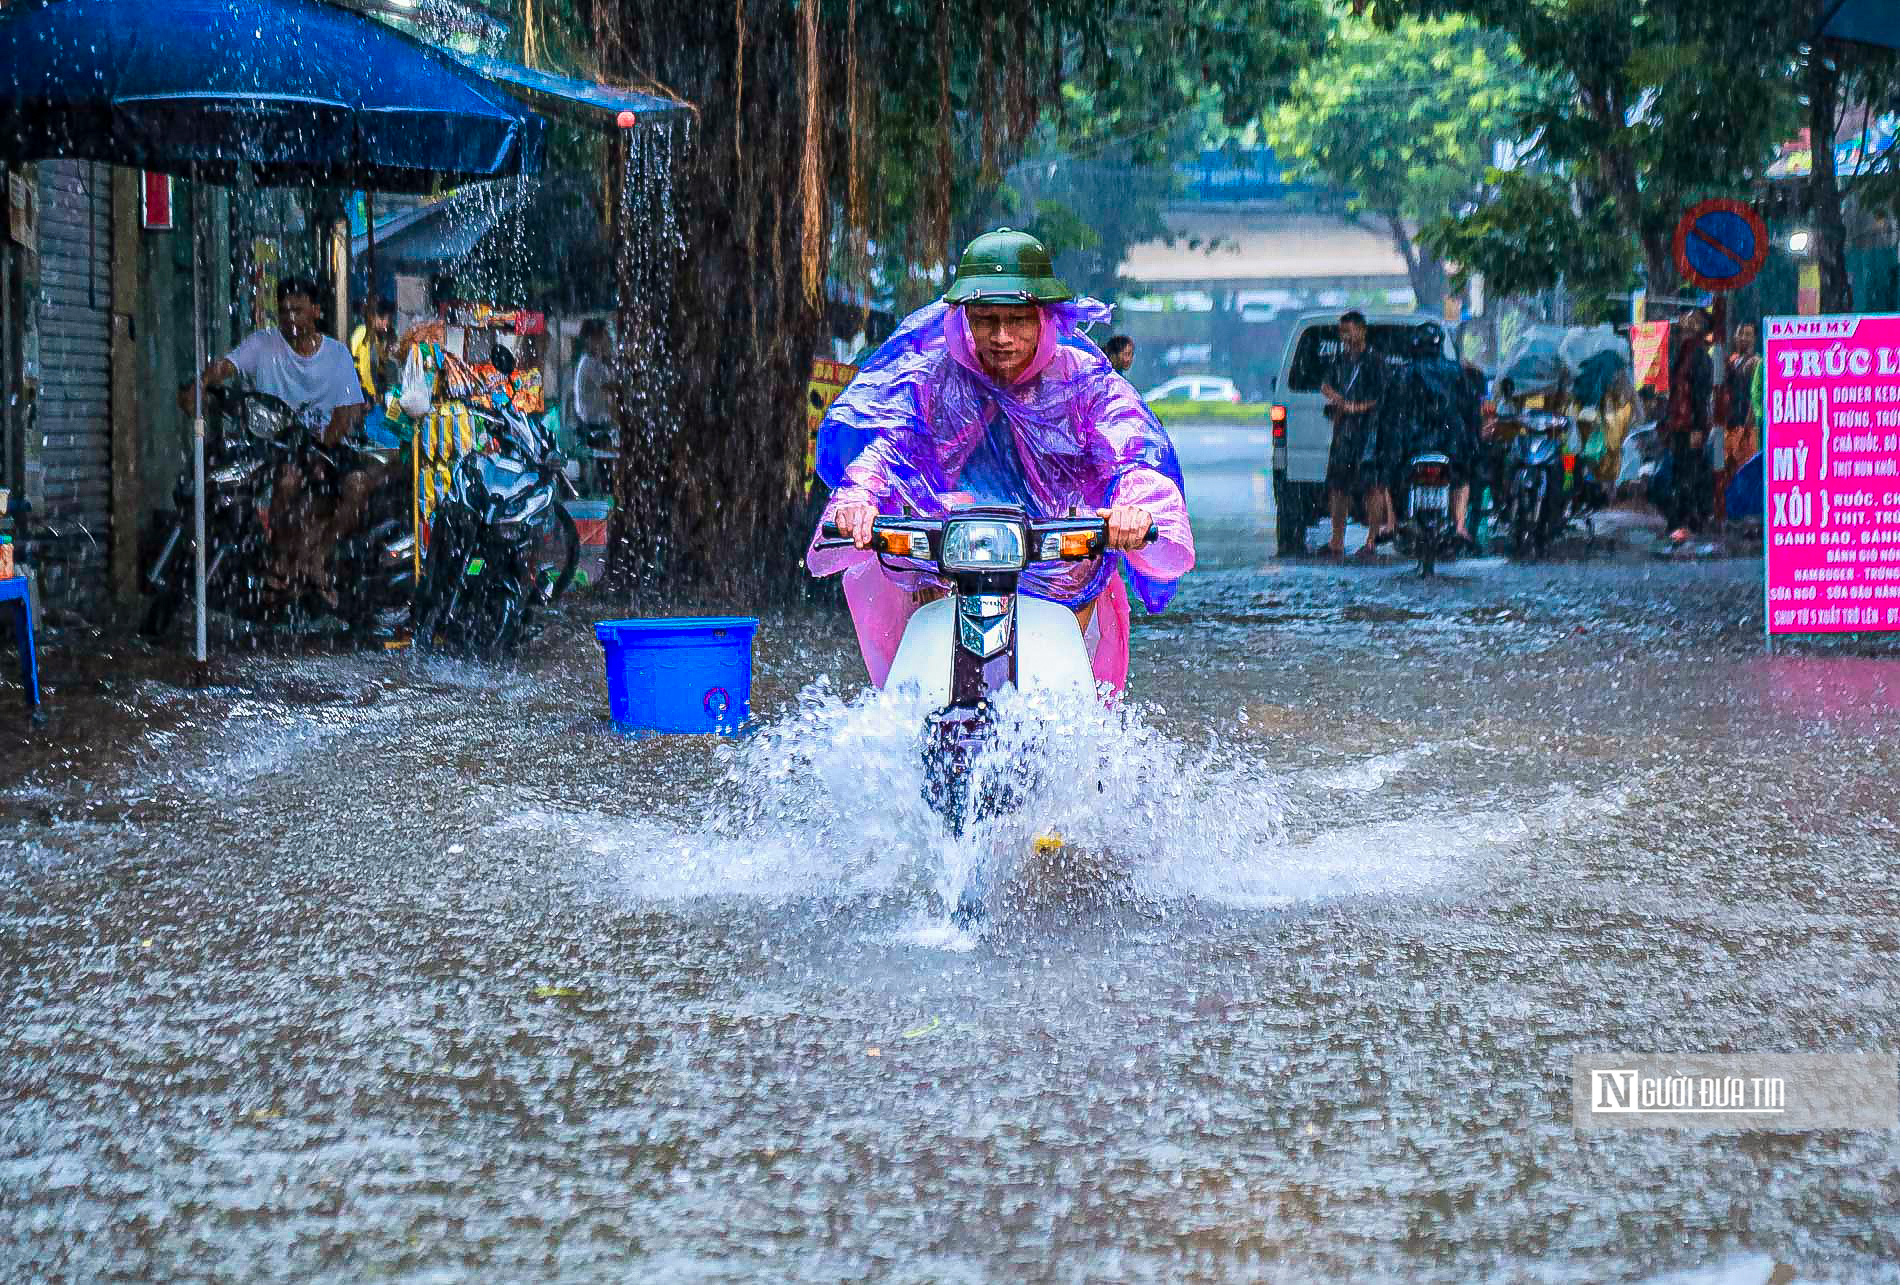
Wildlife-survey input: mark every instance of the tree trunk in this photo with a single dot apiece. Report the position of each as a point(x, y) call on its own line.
point(717, 329)
point(1824, 188)
point(1620, 173)
point(1426, 269)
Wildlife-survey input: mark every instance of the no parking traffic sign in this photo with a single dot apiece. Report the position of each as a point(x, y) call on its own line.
point(1720, 244)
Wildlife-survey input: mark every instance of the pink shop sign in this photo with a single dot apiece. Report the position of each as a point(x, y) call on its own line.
point(1831, 470)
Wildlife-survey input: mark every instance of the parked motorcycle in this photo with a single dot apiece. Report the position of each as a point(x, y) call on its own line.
point(251, 435)
point(502, 545)
point(961, 651)
point(1532, 504)
point(1549, 482)
point(1428, 509)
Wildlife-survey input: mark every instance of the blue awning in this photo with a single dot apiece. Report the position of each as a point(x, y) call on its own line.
point(294, 90)
point(581, 101)
point(440, 232)
point(1867, 22)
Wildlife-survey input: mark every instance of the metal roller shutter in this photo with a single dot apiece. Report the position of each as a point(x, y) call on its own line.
point(75, 361)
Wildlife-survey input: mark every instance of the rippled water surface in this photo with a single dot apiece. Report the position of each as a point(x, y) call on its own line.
point(352, 968)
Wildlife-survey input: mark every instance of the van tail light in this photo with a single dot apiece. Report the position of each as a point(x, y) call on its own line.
point(1277, 416)
point(1431, 475)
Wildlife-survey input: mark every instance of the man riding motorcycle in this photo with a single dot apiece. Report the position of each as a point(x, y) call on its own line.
point(993, 396)
point(1433, 407)
point(311, 373)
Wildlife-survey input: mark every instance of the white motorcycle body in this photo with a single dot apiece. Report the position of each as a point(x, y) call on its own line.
point(1051, 655)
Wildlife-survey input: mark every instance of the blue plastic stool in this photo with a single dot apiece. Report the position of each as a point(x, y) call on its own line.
point(14, 594)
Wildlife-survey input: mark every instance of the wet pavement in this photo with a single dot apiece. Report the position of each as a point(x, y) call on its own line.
point(348, 967)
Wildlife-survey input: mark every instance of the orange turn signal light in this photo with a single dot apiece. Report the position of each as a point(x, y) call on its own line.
point(899, 543)
point(1277, 416)
point(1077, 544)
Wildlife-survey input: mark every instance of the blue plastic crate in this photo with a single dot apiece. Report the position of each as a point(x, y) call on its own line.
point(679, 674)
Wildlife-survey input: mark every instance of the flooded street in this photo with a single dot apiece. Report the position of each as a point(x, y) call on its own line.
point(354, 968)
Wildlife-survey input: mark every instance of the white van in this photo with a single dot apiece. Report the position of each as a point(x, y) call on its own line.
point(1302, 435)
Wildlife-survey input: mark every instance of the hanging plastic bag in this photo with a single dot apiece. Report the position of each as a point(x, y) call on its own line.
point(418, 385)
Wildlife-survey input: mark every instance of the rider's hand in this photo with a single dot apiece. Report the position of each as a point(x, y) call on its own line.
point(1127, 526)
point(854, 522)
point(188, 398)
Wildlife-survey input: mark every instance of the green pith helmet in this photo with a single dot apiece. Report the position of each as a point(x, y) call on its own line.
point(1006, 267)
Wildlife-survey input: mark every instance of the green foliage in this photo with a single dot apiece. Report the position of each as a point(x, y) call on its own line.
point(1099, 98)
point(1405, 116)
point(1659, 103)
point(1529, 233)
point(1186, 412)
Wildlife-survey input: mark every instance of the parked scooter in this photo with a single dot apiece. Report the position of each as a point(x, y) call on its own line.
point(961, 651)
point(1533, 503)
point(1428, 509)
point(253, 434)
point(502, 545)
point(1550, 482)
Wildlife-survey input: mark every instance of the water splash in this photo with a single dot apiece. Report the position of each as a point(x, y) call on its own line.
point(829, 802)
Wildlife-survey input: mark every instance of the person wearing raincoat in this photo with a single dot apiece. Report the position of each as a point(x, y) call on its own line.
point(1432, 406)
point(993, 395)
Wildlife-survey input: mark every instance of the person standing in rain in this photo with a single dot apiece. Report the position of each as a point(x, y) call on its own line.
point(1739, 423)
point(591, 406)
point(1353, 387)
point(1120, 351)
point(1685, 427)
point(372, 348)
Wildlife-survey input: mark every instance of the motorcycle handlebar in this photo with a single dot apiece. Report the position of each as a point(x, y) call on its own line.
point(832, 531)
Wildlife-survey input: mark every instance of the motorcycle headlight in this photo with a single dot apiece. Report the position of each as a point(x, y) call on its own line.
point(982, 544)
point(524, 510)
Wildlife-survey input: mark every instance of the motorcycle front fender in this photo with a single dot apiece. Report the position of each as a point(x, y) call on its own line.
point(1050, 654)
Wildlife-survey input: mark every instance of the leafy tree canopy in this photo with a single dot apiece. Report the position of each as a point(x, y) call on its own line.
point(1405, 116)
point(1658, 103)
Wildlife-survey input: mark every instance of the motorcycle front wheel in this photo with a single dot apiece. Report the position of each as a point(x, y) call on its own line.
point(1523, 521)
point(436, 597)
point(555, 557)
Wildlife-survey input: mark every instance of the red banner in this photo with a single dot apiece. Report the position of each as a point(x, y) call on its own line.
point(1649, 354)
